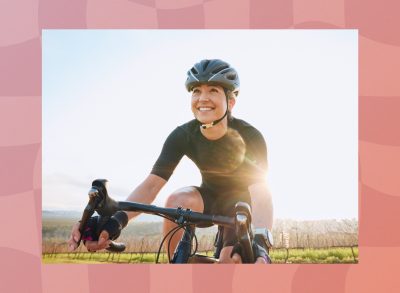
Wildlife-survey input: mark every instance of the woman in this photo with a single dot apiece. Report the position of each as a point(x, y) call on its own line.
point(230, 154)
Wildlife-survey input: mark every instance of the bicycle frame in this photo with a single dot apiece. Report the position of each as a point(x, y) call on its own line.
point(183, 251)
point(184, 248)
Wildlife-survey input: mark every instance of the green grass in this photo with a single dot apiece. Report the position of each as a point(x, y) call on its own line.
point(102, 257)
point(310, 256)
point(328, 255)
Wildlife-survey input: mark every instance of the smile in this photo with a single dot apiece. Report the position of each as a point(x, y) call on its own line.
point(205, 109)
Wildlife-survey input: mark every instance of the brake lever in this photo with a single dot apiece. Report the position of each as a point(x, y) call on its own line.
point(94, 201)
point(104, 207)
point(242, 229)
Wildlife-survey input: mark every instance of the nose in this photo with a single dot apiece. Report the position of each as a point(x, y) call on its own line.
point(204, 97)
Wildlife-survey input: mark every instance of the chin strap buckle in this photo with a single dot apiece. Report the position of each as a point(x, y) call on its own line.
point(206, 126)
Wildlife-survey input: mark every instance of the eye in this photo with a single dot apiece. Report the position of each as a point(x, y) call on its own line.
point(214, 90)
point(195, 91)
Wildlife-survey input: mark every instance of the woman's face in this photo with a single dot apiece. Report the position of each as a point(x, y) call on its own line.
point(208, 103)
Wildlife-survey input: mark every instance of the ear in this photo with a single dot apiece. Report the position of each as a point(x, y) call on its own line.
point(231, 103)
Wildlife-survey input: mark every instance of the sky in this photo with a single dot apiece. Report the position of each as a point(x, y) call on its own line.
point(111, 97)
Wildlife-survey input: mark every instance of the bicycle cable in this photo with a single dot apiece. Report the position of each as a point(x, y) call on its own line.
point(181, 226)
point(174, 231)
point(184, 227)
point(197, 245)
point(163, 240)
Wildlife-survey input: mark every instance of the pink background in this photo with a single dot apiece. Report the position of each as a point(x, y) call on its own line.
point(21, 22)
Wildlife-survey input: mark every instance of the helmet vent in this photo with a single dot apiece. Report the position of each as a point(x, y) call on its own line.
point(194, 71)
point(205, 64)
point(219, 69)
point(231, 76)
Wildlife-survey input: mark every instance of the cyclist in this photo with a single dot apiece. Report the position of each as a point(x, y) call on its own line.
point(230, 154)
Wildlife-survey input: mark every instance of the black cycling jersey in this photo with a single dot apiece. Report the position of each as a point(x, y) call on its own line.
point(228, 165)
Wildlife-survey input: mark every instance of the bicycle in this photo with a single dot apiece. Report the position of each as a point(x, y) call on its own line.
point(105, 206)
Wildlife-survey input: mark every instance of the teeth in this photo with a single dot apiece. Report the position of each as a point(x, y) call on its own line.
point(205, 109)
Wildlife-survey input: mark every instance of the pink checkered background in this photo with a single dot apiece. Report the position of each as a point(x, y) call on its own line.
point(21, 22)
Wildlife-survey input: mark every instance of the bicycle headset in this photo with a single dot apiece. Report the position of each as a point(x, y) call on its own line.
point(217, 72)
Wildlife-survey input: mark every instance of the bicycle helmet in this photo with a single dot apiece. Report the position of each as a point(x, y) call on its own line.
point(216, 72)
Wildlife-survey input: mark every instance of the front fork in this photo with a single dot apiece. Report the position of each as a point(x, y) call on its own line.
point(184, 248)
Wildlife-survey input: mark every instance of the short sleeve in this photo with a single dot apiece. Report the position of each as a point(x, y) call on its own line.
point(256, 157)
point(258, 150)
point(171, 154)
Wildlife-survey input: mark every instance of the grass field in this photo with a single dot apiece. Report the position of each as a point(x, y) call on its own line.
point(329, 255)
point(311, 255)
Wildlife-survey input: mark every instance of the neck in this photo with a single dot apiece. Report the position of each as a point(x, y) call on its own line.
point(217, 131)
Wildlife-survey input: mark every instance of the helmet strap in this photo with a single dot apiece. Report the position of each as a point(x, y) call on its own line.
point(209, 125)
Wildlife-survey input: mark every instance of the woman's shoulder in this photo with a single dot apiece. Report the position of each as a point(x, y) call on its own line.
point(244, 127)
point(187, 130)
point(189, 127)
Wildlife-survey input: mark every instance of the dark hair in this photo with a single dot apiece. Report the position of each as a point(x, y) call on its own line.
point(230, 95)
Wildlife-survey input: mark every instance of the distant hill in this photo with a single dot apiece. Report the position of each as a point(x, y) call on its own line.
point(46, 214)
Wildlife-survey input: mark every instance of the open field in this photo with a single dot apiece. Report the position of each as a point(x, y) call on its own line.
point(280, 256)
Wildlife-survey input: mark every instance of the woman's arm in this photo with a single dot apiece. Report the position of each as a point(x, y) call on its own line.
point(146, 192)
